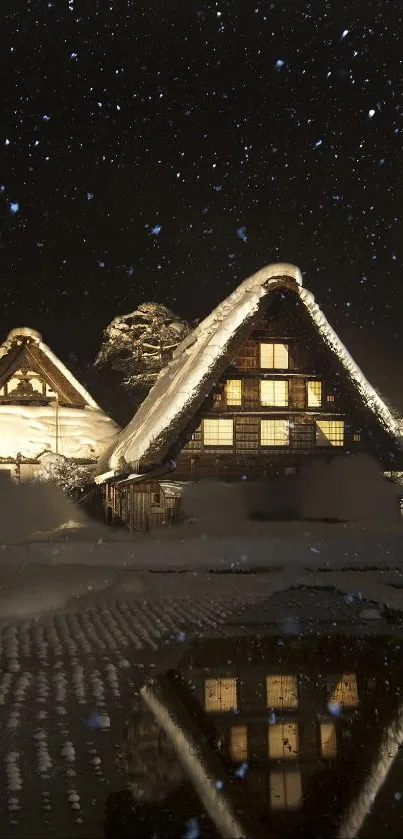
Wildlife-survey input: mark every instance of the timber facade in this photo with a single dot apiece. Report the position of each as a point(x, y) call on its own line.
point(280, 402)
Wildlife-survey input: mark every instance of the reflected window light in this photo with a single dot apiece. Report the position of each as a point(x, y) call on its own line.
point(283, 741)
point(345, 693)
point(328, 739)
point(220, 695)
point(239, 743)
point(285, 790)
point(282, 691)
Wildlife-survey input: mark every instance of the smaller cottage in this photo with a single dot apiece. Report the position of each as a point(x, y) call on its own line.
point(44, 409)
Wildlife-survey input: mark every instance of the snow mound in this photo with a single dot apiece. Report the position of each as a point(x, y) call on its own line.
point(35, 511)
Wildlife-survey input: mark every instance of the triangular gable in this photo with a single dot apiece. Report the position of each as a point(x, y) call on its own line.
point(203, 356)
point(24, 348)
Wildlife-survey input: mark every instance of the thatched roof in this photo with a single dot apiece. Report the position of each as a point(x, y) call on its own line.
point(200, 360)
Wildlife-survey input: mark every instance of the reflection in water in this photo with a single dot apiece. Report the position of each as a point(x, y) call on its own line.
point(306, 731)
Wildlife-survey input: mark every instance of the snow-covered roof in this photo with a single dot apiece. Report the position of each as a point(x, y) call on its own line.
point(81, 430)
point(18, 334)
point(202, 358)
point(78, 433)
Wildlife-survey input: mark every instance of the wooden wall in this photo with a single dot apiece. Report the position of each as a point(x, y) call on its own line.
point(309, 359)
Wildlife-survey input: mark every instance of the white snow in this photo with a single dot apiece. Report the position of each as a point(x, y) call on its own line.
point(83, 433)
point(201, 358)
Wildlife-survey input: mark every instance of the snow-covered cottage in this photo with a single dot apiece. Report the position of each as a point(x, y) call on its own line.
point(259, 388)
point(44, 409)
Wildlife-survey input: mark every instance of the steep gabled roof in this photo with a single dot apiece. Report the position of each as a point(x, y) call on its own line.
point(203, 356)
point(25, 345)
point(29, 428)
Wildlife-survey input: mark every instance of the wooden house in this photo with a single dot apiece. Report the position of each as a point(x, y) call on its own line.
point(44, 409)
point(259, 388)
point(294, 717)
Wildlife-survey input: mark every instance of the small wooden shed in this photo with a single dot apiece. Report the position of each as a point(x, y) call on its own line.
point(141, 504)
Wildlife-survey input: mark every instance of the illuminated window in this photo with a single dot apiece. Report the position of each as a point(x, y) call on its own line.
point(329, 433)
point(239, 743)
point(274, 393)
point(233, 389)
point(284, 741)
point(218, 432)
point(220, 695)
point(328, 741)
point(314, 394)
point(345, 693)
point(274, 356)
point(274, 432)
point(356, 438)
point(330, 397)
point(281, 691)
point(285, 790)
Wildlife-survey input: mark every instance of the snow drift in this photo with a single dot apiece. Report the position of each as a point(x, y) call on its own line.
point(345, 489)
point(31, 509)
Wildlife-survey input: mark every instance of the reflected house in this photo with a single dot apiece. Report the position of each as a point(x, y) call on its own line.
point(296, 720)
point(258, 390)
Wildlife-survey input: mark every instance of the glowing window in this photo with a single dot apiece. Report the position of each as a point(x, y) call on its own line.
point(284, 741)
point(220, 695)
point(329, 433)
point(233, 389)
point(274, 432)
point(239, 743)
point(330, 397)
point(218, 432)
point(274, 393)
point(285, 790)
point(345, 693)
point(274, 356)
point(356, 438)
point(314, 394)
point(281, 691)
point(328, 741)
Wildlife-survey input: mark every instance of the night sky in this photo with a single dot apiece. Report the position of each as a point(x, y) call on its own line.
point(166, 150)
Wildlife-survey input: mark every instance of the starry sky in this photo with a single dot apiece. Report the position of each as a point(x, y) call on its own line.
point(165, 150)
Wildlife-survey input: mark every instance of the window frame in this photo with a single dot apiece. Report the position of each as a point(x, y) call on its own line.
point(318, 404)
point(234, 404)
point(273, 445)
point(274, 365)
point(328, 443)
point(219, 682)
point(274, 403)
point(218, 445)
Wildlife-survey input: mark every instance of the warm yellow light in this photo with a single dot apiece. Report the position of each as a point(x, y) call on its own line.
point(328, 740)
point(239, 743)
point(284, 741)
point(285, 790)
point(346, 691)
point(329, 432)
point(220, 694)
point(233, 390)
point(282, 691)
point(314, 394)
point(274, 356)
point(274, 393)
point(218, 432)
point(274, 432)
